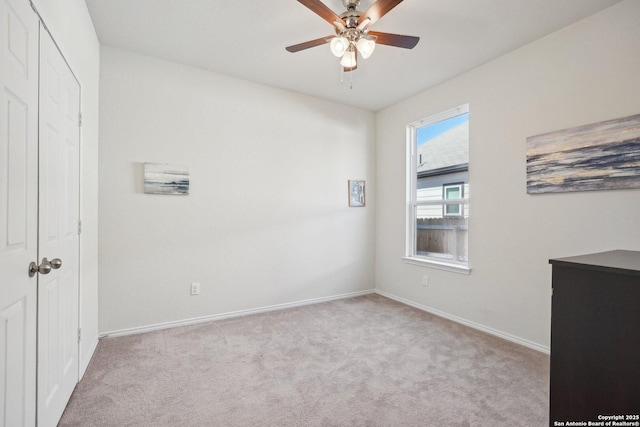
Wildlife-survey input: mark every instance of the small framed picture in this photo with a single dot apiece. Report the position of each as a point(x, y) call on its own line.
point(160, 178)
point(356, 193)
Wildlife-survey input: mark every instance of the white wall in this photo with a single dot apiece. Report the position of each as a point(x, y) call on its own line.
point(266, 221)
point(70, 24)
point(585, 73)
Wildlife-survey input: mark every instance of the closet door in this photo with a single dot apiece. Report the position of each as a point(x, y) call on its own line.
point(59, 155)
point(18, 211)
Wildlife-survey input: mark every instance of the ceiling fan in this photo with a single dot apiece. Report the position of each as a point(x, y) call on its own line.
point(352, 31)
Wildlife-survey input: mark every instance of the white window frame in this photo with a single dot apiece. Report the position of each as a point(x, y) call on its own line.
point(411, 197)
point(460, 187)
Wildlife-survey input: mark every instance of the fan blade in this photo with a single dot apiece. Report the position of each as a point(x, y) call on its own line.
point(378, 10)
point(322, 11)
point(310, 43)
point(397, 40)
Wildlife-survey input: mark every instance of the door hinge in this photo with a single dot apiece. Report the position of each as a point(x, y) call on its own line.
point(79, 335)
point(80, 119)
point(79, 226)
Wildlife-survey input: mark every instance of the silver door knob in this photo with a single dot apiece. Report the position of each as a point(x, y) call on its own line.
point(45, 266)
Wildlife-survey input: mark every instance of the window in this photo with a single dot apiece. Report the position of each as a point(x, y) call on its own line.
point(438, 190)
point(453, 192)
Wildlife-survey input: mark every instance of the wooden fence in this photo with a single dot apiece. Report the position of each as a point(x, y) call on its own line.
point(442, 236)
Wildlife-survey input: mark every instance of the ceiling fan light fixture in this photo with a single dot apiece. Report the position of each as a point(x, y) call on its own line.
point(349, 58)
point(366, 47)
point(352, 36)
point(339, 45)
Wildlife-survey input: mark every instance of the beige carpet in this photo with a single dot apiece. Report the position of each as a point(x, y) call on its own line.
point(365, 361)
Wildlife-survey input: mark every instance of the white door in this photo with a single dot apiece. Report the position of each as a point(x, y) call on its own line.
point(18, 211)
point(58, 233)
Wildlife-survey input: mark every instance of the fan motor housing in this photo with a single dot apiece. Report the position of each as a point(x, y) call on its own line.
point(350, 18)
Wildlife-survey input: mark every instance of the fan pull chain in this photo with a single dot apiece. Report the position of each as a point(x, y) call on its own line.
point(350, 77)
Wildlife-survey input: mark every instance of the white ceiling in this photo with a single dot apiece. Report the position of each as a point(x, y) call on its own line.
point(246, 39)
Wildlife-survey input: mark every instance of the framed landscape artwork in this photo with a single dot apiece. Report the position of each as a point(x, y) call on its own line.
point(356, 193)
point(600, 156)
point(160, 178)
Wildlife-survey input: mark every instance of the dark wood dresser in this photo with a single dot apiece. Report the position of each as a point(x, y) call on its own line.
point(595, 338)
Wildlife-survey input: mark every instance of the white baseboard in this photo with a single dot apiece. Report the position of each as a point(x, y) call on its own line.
point(474, 325)
point(196, 320)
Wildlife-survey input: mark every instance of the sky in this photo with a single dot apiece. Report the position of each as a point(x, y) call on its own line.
point(429, 132)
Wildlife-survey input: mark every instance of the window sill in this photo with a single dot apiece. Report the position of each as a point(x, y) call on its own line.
point(453, 268)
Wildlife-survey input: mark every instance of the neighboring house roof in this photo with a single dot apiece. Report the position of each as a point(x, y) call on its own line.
point(446, 150)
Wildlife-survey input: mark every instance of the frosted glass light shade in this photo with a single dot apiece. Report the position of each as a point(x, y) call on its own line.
point(366, 47)
point(339, 46)
point(349, 58)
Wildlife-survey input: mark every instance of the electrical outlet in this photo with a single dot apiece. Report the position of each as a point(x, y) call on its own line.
point(425, 280)
point(195, 289)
